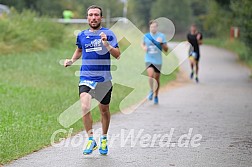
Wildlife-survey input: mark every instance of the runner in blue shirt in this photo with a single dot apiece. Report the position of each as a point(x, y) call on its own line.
point(95, 45)
point(153, 44)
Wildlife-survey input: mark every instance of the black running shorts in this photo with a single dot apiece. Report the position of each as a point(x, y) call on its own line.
point(156, 67)
point(101, 93)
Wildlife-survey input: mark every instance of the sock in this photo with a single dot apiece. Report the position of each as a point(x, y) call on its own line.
point(104, 136)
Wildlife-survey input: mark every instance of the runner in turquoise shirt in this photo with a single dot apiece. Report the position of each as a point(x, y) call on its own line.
point(153, 44)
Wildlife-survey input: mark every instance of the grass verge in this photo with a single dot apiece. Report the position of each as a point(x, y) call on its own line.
point(26, 32)
point(233, 45)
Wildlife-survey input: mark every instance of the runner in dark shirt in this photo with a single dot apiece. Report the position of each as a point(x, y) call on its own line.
point(195, 39)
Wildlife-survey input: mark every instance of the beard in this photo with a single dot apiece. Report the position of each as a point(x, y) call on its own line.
point(95, 26)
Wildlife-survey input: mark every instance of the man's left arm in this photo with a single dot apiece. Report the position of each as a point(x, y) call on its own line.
point(199, 38)
point(114, 51)
point(165, 47)
point(163, 43)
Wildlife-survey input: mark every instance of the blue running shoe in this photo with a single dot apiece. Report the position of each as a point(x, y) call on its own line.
point(150, 96)
point(155, 100)
point(91, 146)
point(103, 147)
point(197, 79)
point(191, 76)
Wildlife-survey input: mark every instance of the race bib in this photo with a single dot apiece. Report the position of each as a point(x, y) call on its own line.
point(152, 49)
point(91, 84)
point(194, 55)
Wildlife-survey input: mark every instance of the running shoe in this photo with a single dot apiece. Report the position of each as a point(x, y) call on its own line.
point(155, 100)
point(91, 146)
point(150, 96)
point(197, 79)
point(191, 76)
point(103, 147)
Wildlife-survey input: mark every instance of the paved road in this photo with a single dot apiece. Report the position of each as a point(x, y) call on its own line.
point(219, 110)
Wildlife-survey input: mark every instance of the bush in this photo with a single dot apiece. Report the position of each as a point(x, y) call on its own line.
point(25, 32)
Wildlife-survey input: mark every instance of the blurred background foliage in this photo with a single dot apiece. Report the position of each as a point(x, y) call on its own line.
point(214, 18)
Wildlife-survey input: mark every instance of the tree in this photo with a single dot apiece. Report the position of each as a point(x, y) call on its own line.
point(242, 11)
point(54, 8)
point(177, 11)
point(199, 12)
point(218, 20)
point(45, 7)
point(140, 12)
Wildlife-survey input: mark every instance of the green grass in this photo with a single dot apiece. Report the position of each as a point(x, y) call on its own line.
point(25, 32)
point(34, 90)
point(235, 46)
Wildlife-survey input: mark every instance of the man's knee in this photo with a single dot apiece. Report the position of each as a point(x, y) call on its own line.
point(104, 109)
point(85, 102)
point(197, 64)
point(85, 107)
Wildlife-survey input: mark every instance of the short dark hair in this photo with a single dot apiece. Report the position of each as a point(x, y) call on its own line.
point(94, 7)
point(153, 21)
point(193, 25)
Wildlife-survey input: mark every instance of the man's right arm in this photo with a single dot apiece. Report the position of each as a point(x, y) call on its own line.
point(188, 38)
point(143, 44)
point(144, 47)
point(76, 56)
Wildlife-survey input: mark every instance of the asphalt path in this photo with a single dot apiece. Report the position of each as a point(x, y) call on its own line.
point(195, 125)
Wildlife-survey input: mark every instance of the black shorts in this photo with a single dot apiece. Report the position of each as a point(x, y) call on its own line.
point(101, 93)
point(156, 67)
